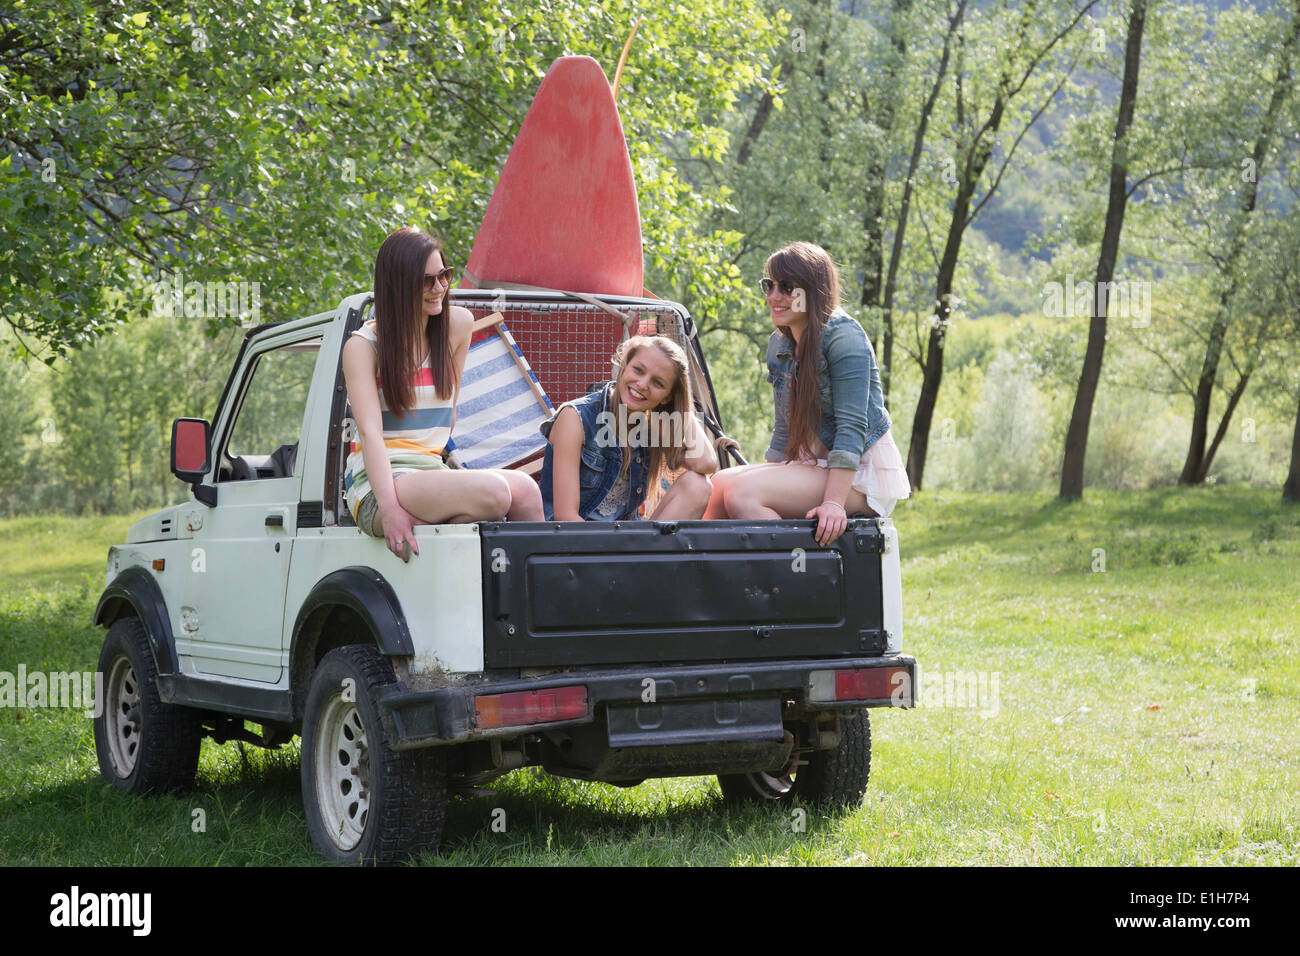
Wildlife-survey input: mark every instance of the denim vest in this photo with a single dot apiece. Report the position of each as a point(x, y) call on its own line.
point(599, 465)
point(853, 403)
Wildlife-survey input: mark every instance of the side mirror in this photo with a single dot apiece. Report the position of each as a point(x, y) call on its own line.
point(190, 462)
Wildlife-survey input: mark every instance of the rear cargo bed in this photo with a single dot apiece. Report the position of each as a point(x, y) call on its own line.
point(568, 593)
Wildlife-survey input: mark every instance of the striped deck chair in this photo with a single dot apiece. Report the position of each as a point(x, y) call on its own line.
point(500, 405)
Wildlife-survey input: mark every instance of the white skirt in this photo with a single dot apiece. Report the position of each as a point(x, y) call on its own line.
point(881, 475)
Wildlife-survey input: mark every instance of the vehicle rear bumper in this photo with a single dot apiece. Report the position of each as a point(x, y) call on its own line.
point(672, 700)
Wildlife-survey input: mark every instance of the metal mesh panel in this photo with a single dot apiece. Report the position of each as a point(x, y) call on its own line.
point(571, 345)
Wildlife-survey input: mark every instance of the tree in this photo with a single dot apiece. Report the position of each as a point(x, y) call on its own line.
point(905, 203)
point(113, 404)
point(274, 142)
point(1272, 292)
point(1198, 461)
point(16, 424)
point(1023, 50)
point(1076, 441)
point(1291, 487)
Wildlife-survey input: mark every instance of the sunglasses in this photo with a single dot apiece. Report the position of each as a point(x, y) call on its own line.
point(444, 277)
point(767, 283)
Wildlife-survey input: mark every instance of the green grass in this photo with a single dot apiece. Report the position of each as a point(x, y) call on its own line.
point(1147, 714)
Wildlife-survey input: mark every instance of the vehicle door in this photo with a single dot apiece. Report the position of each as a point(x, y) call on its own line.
point(231, 620)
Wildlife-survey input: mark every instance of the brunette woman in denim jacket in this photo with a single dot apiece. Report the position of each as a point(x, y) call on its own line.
point(609, 450)
point(831, 453)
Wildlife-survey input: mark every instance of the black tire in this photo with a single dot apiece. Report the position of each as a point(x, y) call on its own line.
point(365, 803)
point(144, 745)
point(833, 778)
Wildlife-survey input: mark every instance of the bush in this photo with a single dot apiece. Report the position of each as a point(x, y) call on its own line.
point(1007, 445)
point(1135, 441)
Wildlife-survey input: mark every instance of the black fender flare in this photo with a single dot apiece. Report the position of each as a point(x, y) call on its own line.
point(135, 590)
point(368, 594)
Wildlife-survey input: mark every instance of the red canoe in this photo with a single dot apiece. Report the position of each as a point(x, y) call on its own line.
point(564, 214)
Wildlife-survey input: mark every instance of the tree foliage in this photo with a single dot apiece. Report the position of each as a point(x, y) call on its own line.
point(277, 141)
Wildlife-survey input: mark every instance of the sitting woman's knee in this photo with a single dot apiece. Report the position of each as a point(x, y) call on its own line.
point(745, 499)
point(696, 488)
point(491, 497)
point(525, 497)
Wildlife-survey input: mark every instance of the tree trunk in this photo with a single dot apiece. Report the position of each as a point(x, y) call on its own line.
point(1195, 466)
point(1209, 373)
point(982, 139)
point(824, 94)
point(1076, 439)
point(763, 112)
point(1291, 488)
point(933, 365)
point(873, 212)
point(1223, 426)
point(756, 124)
point(904, 207)
point(873, 223)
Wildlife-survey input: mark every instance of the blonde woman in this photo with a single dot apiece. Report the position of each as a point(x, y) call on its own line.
point(608, 451)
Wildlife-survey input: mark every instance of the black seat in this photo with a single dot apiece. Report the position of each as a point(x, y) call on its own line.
point(282, 460)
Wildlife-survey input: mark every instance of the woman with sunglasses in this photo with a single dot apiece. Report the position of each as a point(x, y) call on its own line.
point(831, 453)
point(402, 369)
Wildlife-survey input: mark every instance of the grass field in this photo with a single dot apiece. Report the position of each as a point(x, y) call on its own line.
point(1147, 713)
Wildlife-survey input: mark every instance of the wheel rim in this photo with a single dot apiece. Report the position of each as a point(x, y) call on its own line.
point(122, 717)
point(777, 784)
point(343, 773)
point(772, 786)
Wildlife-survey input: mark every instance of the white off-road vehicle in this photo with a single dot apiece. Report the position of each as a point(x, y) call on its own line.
point(601, 651)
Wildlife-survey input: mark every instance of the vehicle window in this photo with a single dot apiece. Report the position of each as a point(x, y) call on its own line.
point(265, 436)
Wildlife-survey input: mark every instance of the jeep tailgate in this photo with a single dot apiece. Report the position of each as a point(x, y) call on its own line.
point(568, 593)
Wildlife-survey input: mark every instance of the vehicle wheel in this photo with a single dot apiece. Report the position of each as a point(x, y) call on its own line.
point(144, 744)
point(834, 778)
point(365, 802)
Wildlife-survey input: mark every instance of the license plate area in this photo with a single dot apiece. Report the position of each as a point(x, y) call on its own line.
point(694, 722)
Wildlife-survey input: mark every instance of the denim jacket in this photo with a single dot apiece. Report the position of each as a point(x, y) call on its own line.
point(853, 403)
point(599, 465)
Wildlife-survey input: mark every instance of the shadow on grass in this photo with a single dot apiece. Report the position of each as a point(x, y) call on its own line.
point(246, 809)
point(675, 821)
point(233, 815)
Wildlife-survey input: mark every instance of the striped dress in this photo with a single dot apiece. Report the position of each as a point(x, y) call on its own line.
point(414, 442)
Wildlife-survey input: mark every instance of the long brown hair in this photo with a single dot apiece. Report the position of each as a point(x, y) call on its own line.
point(808, 269)
point(399, 318)
point(666, 454)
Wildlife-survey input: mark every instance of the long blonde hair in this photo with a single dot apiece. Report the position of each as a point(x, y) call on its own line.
point(666, 454)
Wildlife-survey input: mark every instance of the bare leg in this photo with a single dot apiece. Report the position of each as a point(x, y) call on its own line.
point(454, 497)
point(777, 490)
point(721, 480)
point(525, 496)
point(685, 500)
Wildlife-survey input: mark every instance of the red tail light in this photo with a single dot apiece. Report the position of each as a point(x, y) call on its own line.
point(862, 683)
point(531, 707)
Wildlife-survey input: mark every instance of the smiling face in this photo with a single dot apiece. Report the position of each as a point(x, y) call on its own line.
point(647, 380)
point(433, 296)
point(788, 305)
